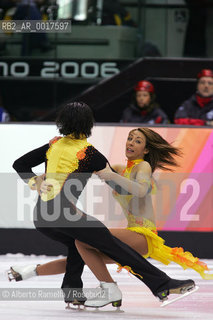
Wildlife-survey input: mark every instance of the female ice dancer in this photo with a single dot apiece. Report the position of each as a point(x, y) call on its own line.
point(66, 160)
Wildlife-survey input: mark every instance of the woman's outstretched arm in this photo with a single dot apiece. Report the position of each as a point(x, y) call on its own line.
point(137, 187)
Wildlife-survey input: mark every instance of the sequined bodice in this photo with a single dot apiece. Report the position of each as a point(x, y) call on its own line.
point(124, 200)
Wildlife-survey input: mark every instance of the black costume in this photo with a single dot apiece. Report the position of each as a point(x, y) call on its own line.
point(74, 160)
point(154, 115)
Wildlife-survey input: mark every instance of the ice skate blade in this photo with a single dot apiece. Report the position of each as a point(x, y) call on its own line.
point(94, 310)
point(13, 275)
point(181, 296)
point(79, 307)
point(117, 304)
point(98, 310)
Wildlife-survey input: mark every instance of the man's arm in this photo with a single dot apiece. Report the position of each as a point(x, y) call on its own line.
point(24, 164)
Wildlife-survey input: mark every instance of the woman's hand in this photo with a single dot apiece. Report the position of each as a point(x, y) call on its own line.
point(45, 187)
point(38, 182)
point(41, 185)
point(105, 174)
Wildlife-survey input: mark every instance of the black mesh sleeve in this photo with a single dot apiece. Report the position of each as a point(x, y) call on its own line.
point(24, 164)
point(97, 160)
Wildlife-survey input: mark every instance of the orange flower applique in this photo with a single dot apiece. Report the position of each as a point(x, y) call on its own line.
point(81, 154)
point(130, 164)
point(55, 140)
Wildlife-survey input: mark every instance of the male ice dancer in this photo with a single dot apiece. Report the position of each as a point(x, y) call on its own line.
point(69, 164)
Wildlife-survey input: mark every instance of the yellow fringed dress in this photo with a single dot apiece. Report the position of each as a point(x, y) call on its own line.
point(156, 247)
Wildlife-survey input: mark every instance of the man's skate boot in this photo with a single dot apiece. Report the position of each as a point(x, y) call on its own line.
point(175, 286)
point(73, 296)
point(19, 273)
point(110, 294)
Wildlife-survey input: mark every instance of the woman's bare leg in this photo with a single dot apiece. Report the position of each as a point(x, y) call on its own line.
point(136, 241)
point(94, 259)
point(97, 261)
point(53, 267)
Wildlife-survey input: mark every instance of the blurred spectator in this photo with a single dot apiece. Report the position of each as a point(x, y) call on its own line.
point(115, 14)
point(6, 7)
point(4, 116)
point(105, 12)
point(28, 10)
point(149, 49)
point(144, 108)
point(198, 109)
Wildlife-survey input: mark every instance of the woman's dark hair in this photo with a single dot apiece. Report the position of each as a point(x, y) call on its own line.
point(75, 118)
point(160, 153)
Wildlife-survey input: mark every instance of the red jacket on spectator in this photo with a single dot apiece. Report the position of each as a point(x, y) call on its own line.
point(195, 111)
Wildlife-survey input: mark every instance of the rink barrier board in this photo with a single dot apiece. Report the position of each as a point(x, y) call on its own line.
point(30, 241)
point(196, 168)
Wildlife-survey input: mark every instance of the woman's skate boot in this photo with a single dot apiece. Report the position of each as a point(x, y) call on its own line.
point(110, 293)
point(19, 273)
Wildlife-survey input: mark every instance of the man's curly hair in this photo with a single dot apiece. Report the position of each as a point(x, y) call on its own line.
point(75, 118)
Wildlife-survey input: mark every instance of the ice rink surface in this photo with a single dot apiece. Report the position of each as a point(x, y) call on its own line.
point(138, 302)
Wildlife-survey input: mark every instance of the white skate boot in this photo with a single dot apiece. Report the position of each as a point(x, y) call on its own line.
point(19, 273)
point(111, 294)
